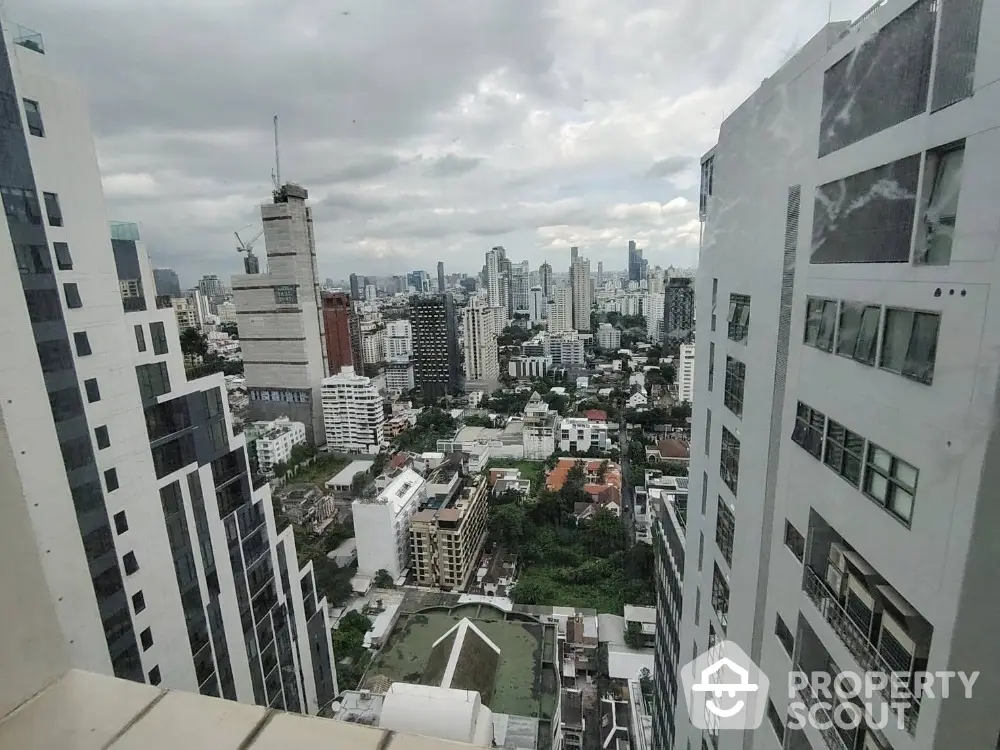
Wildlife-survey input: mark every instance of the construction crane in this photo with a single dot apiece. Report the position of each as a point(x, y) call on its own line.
point(250, 263)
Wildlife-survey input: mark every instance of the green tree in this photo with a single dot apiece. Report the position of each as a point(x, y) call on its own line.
point(674, 468)
point(279, 469)
point(633, 635)
point(229, 328)
point(605, 533)
point(530, 591)
point(355, 621)
point(194, 342)
point(602, 471)
point(507, 524)
point(383, 579)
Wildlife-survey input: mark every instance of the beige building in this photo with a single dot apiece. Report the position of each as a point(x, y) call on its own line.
point(445, 543)
point(187, 314)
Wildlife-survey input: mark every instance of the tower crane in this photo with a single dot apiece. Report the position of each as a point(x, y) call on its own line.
point(250, 263)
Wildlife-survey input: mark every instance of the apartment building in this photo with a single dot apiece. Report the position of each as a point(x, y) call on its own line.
point(560, 312)
point(445, 543)
point(437, 370)
point(382, 524)
point(353, 413)
point(678, 311)
point(399, 341)
point(567, 349)
point(580, 434)
point(186, 313)
point(337, 329)
point(583, 293)
point(525, 368)
point(158, 554)
point(609, 338)
point(844, 436)
point(482, 363)
point(685, 373)
point(273, 441)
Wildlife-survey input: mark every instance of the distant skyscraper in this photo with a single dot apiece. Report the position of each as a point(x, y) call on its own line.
point(126, 477)
point(635, 270)
point(600, 273)
point(355, 287)
point(574, 253)
point(284, 346)
point(520, 286)
point(337, 325)
point(545, 279)
point(166, 282)
point(580, 283)
point(536, 305)
point(441, 286)
point(211, 286)
point(482, 363)
point(678, 312)
point(561, 311)
point(435, 345)
point(492, 277)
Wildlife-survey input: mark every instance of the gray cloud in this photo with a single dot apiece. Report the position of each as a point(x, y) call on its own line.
point(543, 122)
point(669, 166)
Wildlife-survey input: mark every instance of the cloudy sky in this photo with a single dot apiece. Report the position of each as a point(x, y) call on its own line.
point(425, 130)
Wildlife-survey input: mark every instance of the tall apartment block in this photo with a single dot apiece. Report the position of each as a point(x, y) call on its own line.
point(353, 413)
point(482, 362)
point(678, 312)
point(583, 293)
point(845, 447)
point(445, 542)
point(337, 330)
point(281, 319)
point(440, 270)
point(162, 559)
point(435, 345)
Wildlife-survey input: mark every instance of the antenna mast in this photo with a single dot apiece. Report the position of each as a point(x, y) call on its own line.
point(277, 157)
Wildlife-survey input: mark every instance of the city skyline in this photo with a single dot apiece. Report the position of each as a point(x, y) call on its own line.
point(542, 135)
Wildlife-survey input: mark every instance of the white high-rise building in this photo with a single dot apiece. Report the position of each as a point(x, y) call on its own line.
point(494, 288)
point(652, 309)
point(844, 452)
point(382, 524)
point(567, 349)
point(583, 296)
point(561, 311)
point(536, 305)
point(280, 318)
point(373, 344)
point(482, 363)
point(399, 341)
point(609, 338)
point(353, 413)
point(158, 553)
point(685, 373)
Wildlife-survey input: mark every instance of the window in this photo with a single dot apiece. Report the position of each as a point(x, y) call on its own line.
point(52, 209)
point(130, 563)
point(63, 259)
point(707, 180)
point(697, 606)
point(735, 374)
point(138, 602)
point(739, 316)
point(725, 531)
point(98, 543)
point(909, 343)
point(111, 479)
point(784, 635)
point(729, 464)
point(844, 452)
point(102, 437)
point(795, 541)
point(704, 493)
point(21, 205)
point(121, 522)
point(55, 355)
point(146, 638)
point(701, 549)
point(65, 403)
point(891, 482)
point(153, 380)
point(711, 365)
point(708, 431)
point(159, 336)
point(857, 334)
point(32, 259)
point(93, 392)
point(715, 299)
point(72, 292)
point(140, 338)
point(33, 113)
point(821, 320)
point(720, 596)
point(154, 676)
point(943, 175)
point(43, 305)
point(810, 426)
point(286, 294)
point(776, 722)
point(82, 343)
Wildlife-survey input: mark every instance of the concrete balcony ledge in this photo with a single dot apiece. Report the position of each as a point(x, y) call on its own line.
point(86, 711)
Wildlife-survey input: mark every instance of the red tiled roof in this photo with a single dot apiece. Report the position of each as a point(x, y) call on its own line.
point(670, 448)
point(596, 415)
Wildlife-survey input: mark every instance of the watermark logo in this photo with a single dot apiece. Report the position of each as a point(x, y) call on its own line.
point(724, 689)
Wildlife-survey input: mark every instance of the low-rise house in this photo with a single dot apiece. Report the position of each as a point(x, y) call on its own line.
point(669, 449)
point(579, 435)
point(304, 504)
point(603, 486)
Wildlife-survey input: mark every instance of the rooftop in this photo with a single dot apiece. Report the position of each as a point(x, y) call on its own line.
point(596, 415)
point(520, 686)
point(671, 448)
point(399, 492)
point(299, 493)
point(346, 475)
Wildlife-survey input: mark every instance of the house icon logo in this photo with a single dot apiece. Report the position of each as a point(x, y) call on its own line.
point(724, 689)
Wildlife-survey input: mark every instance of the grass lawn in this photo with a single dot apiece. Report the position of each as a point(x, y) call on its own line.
point(322, 469)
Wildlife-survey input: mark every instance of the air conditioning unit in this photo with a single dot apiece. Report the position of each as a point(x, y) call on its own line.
point(836, 570)
point(900, 651)
point(861, 606)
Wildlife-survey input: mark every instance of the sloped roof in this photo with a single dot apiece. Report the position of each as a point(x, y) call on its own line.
point(464, 658)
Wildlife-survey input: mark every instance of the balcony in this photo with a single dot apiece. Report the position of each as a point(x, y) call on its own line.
point(857, 642)
point(830, 734)
point(29, 39)
point(124, 230)
point(163, 302)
